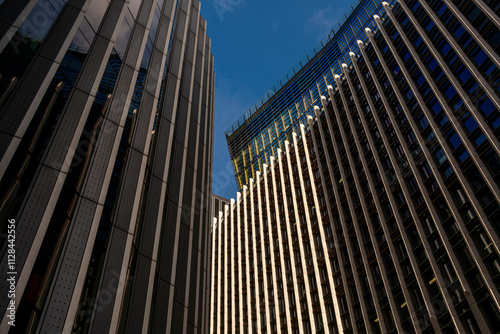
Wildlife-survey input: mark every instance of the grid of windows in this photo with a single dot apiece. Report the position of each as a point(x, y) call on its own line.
point(404, 151)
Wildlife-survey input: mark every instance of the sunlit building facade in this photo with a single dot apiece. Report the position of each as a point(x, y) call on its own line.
point(270, 270)
point(106, 127)
point(381, 213)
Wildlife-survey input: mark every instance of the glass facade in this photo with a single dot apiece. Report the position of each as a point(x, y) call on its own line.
point(254, 138)
point(381, 213)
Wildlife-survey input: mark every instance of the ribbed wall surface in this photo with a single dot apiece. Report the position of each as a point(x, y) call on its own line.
point(270, 273)
point(401, 169)
point(107, 135)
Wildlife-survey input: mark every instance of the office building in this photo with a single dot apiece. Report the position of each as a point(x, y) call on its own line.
point(381, 214)
point(106, 127)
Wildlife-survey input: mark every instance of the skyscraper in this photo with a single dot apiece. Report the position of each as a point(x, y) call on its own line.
point(382, 212)
point(106, 126)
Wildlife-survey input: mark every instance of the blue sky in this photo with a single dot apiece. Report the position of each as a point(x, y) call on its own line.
point(254, 44)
